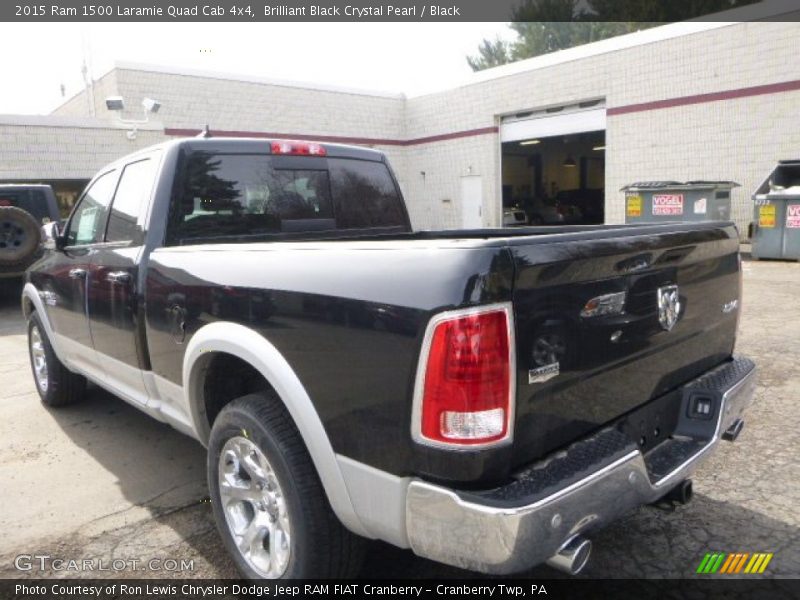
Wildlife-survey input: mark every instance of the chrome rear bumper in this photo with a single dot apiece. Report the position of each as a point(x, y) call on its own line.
point(503, 531)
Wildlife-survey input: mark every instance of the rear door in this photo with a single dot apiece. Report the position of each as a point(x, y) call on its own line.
point(64, 275)
point(113, 292)
point(581, 366)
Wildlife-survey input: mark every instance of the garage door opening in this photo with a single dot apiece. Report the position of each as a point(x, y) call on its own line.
point(553, 165)
point(554, 180)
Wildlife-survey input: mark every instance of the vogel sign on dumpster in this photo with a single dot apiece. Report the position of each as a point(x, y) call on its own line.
point(793, 216)
point(668, 204)
point(665, 201)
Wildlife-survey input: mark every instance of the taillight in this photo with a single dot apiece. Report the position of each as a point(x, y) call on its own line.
point(464, 392)
point(298, 148)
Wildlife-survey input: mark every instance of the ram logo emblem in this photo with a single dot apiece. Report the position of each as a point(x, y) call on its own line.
point(669, 306)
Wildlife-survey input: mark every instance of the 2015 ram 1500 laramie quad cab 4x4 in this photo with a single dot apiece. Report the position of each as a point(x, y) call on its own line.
point(486, 398)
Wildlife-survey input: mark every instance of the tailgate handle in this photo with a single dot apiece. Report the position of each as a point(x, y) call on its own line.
point(118, 277)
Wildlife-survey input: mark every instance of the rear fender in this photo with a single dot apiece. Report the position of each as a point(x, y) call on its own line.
point(251, 347)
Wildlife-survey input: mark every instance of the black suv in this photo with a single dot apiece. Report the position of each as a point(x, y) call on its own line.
point(23, 211)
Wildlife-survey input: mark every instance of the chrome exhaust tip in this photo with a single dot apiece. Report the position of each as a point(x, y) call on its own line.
point(572, 557)
point(733, 431)
point(680, 494)
point(683, 492)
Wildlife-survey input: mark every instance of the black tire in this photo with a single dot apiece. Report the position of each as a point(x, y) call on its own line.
point(63, 387)
point(20, 236)
point(319, 546)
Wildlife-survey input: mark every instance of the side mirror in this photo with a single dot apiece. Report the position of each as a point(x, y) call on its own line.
point(51, 236)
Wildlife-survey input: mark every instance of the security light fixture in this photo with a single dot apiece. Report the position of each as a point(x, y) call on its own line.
point(599, 148)
point(151, 106)
point(115, 103)
point(530, 142)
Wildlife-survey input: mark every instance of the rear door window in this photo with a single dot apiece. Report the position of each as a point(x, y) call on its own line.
point(130, 200)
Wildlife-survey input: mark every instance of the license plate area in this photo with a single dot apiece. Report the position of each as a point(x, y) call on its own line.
point(651, 424)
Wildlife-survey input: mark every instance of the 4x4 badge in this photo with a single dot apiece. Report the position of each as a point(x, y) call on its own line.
point(544, 373)
point(669, 306)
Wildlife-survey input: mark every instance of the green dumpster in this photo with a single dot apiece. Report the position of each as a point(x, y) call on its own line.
point(662, 201)
point(776, 213)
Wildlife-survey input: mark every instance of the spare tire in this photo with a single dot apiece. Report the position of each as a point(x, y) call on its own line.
point(20, 235)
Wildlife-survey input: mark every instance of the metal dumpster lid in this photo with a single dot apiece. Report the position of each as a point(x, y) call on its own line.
point(657, 185)
point(789, 193)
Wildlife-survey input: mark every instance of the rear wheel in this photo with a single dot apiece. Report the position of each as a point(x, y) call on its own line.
point(268, 502)
point(57, 385)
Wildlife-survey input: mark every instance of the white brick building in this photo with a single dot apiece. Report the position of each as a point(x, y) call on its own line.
point(710, 101)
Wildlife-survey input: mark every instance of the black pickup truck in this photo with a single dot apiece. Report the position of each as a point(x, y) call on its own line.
point(486, 398)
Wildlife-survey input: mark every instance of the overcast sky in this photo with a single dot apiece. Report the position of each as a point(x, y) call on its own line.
point(397, 57)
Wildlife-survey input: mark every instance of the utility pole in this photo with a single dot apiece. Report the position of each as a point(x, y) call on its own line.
point(86, 71)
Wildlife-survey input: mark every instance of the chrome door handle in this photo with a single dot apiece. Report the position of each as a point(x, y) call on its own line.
point(77, 273)
point(118, 277)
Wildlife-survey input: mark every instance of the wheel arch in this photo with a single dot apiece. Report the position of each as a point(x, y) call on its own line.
point(27, 306)
point(252, 348)
point(31, 301)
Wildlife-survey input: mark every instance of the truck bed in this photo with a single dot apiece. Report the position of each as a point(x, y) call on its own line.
point(349, 313)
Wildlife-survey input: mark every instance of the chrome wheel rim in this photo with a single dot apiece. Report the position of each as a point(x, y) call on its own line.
point(255, 507)
point(39, 359)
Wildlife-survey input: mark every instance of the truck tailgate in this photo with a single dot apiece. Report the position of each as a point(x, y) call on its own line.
point(576, 373)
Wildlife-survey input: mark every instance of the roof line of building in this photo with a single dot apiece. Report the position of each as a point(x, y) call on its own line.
point(765, 10)
point(82, 90)
point(606, 46)
point(614, 44)
point(189, 72)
